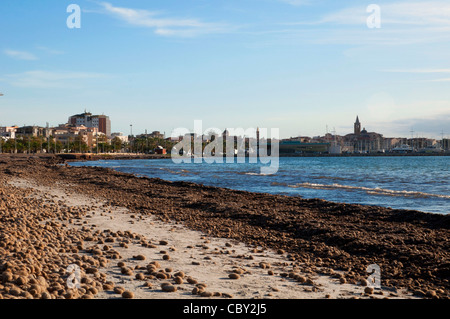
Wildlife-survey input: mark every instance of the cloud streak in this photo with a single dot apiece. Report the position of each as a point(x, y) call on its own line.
point(20, 55)
point(162, 26)
point(297, 3)
point(39, 79)
point(402, 23)
point(423, 71)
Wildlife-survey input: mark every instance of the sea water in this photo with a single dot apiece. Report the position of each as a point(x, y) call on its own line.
point(404, 182)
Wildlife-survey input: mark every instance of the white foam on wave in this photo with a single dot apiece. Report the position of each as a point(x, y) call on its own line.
point(371, 191)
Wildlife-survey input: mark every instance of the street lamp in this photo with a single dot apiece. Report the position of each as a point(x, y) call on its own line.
point(131, 138)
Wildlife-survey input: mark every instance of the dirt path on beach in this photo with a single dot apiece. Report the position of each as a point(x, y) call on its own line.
point(263, 273)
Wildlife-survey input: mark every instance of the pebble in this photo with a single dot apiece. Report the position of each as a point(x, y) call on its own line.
point(234, 276)
point(139, 257)
point(128, 294)
point(140, 276)
point(206, 294)
point(169, 288)
point(369, 290)
point(119, 290)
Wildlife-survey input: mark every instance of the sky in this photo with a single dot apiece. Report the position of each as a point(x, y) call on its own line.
point(305, 67)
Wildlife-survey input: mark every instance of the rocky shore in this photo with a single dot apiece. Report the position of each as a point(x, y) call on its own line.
point(40, 236)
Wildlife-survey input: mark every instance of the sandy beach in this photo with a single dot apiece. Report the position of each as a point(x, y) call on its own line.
point(141, 238)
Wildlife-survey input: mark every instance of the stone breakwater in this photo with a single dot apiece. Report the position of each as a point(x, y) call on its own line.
point(411, 248)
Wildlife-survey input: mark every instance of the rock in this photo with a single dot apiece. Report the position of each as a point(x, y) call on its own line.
point(108, 287)
point(140, 276)
point(301, 279)
point(369, 290)
point(169, 288)
point(119, 290)
point(309, 281)
point(128, 294)
point(234, 276)
point(139, 257)
point(206, 294)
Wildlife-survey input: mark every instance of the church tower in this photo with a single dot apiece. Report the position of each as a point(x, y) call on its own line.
point(357, 127)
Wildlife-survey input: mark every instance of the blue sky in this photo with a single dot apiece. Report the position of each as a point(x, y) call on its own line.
point(297, 65)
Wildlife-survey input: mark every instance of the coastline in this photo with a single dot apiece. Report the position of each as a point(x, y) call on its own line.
point(316, 236)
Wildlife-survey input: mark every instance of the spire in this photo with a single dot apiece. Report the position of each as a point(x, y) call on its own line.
point(357, 126)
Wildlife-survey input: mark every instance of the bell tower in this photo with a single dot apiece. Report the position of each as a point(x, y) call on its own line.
point(357, 126)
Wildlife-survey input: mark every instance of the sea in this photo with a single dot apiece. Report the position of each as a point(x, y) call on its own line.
point(401, 182)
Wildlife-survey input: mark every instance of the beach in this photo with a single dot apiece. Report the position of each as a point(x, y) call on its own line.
point(144, 238)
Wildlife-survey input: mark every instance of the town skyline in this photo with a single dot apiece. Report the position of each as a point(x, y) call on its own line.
point(329, 130)
point(296, 65)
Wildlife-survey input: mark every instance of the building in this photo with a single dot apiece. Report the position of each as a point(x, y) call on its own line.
point(154, 134)
point(30, 131)
point(160, 150)
point(7, 132)
point(101, 122)
point(362, 141)
point(297, 147)
point(68, 133)
point(357, 127)
point(120, 136)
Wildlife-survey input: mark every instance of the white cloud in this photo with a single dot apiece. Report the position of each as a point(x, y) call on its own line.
point(163, 26)
point(47, 80)
point(418, 70)
point(425, 13)
point(402, 23)
point(50, 51)
point(20, 55)
point(423, 71)
point(297, 2)
point(440, 80)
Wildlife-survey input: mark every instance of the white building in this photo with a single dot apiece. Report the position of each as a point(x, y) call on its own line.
point(7, 132)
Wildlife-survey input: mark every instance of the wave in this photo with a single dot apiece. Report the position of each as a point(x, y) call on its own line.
point(371, 191)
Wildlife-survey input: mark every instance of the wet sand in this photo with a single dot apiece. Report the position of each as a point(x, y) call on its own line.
point(157, 239)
